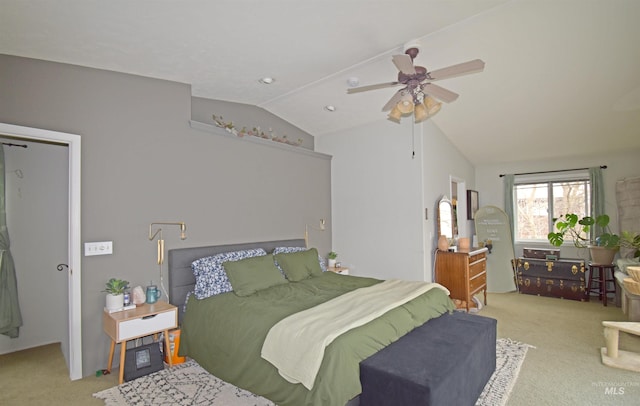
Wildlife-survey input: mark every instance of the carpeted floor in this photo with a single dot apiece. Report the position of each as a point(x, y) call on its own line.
point(190, 384)
point(39, 376)
point(565, 369)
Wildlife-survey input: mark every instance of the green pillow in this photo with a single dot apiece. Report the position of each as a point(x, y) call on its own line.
point(247, 276)
point(299, 265)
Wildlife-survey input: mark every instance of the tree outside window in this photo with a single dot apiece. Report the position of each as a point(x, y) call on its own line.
point(537, 204)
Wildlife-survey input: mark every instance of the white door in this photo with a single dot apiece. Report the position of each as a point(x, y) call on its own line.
point(74, 327)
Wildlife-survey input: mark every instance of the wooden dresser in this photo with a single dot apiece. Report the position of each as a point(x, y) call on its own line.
point(463, 273)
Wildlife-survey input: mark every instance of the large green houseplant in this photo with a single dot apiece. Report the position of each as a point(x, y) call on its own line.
point(571, 226)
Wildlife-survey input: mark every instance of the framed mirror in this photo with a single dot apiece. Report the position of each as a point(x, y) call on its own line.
point(445, 218)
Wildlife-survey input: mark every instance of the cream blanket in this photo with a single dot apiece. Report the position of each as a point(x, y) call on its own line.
point(296, 344)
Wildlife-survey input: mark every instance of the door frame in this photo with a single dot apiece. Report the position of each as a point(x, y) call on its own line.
point(74, 233)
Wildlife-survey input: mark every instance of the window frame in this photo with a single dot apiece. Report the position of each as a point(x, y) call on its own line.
point(549, 179)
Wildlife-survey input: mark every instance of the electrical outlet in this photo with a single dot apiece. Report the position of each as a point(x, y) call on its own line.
point(98, 248)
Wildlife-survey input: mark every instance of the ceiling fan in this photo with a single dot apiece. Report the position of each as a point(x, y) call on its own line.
point(417, 95)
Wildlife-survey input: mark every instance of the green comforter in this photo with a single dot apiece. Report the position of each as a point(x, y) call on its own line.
point(224, 334)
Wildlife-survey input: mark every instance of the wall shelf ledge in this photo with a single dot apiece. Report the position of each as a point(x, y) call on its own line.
point(212, 129)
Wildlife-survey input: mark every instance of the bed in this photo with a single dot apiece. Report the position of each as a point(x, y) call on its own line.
point(225, 332)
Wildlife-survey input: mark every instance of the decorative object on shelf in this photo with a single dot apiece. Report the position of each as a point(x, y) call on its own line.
point(254, 132)
point(115, 293)
point(464, 243)
point(153, 294)
point(152, 235)
point(605, 244)
point(331, 259)
point(489, 245)
point(137, 296)
point(443, 243)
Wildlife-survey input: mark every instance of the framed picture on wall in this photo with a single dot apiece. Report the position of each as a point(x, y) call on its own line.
point(472, 204)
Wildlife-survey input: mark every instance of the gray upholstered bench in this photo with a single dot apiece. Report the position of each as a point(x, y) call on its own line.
point(446, 361)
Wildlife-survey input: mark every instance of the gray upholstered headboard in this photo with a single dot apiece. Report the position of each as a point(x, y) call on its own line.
point(181, 279)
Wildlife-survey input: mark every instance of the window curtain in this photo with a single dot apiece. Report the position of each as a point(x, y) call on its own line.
point(597, 195)
point(508, 181)
point(10, 317)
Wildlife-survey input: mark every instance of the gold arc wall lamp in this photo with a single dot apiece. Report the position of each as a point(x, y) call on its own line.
point(158, 233)
point(306, 231)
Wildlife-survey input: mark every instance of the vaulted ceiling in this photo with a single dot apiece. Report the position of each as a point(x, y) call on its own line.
point(561, 77)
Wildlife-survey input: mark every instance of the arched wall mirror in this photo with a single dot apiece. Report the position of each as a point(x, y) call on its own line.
point(446, 219)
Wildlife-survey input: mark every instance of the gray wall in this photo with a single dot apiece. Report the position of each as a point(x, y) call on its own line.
point(141, 162)
point(36, 191)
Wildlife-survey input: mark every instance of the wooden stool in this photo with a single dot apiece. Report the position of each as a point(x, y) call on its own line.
point(598, 274)
point(611, 355)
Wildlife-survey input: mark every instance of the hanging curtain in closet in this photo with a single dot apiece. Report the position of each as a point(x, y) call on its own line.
point(10, 317)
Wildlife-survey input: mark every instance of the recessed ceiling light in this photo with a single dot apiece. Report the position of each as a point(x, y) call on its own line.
point(353, 81)
point(330, 108)
point(266, 80)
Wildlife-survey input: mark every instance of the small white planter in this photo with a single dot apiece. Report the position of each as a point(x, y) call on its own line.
point(331, 263)
point(115, 302)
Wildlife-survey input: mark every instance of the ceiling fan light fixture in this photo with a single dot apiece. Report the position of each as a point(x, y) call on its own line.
point(405, 105)
point(420, 113)
point(432, 105)
point(395, 114)
point(414, 97)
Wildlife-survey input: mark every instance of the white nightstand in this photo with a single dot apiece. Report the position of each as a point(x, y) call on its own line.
point(341, 270)
point(142, 321)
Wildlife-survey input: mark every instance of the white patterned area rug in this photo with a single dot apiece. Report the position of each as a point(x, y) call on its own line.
point(183, 385)
point(509, 358)
point(189, 384)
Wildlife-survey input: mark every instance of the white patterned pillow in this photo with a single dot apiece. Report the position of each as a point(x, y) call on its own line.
point(286, 250)
point(211, 278)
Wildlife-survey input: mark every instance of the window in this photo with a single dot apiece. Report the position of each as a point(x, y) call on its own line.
point(538, 203)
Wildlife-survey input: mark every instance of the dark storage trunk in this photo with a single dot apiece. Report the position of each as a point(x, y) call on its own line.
point(541, 253)
point(562, 278)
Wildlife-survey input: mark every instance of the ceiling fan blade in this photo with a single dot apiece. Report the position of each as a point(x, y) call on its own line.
point(395, 99)
point(404, 63)
point(372, 87)
point(439, 93)
point(477, 65)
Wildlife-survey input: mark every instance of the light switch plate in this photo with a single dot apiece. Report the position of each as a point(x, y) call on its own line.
point(98, 248)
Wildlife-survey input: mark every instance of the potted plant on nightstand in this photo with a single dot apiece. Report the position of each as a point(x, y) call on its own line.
point(115, 293)
point(331, 257)
point(605, 246)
